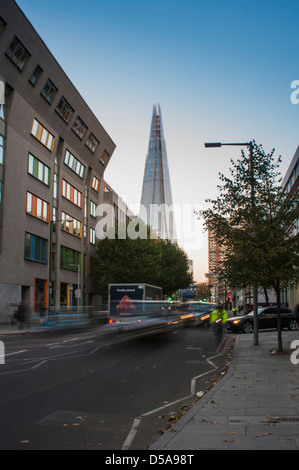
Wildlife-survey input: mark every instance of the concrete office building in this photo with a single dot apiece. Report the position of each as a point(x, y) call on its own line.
point(53, 154)
point(216, 254)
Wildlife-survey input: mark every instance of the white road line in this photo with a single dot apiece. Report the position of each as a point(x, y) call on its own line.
point(16, 352)
point(148, 413)
point(130, 437)
point(194, 379)
point(128, 442)
point(39, 364)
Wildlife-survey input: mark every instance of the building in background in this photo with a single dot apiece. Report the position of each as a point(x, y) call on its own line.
point(53, 154)
point(156, 199)
point(291, 183)
point(216, 254)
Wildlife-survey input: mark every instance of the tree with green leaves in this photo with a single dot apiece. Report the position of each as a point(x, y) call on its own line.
point(253, 218)
point(141, 259)
point(174, 268)
point(202, 291)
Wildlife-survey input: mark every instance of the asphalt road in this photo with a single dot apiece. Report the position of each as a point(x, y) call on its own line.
point(84, 390)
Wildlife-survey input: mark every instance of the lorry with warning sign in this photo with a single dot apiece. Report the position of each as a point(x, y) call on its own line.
point(131, 299)
point(137, 306)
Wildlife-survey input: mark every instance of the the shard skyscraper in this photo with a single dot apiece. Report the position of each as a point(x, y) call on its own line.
point(156, 199)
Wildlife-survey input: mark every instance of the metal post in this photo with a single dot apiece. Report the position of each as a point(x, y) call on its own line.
point(255, 288)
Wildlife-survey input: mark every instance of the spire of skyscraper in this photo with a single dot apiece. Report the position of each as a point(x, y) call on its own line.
point(156, 199)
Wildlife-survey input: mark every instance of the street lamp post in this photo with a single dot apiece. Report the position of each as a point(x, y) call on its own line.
point(78, 288)
point(255, 289)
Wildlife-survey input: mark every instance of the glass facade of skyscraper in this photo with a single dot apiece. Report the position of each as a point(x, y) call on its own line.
point(156, 200)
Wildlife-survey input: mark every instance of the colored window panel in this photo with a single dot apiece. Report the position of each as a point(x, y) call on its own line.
point(38, 169)
point(36, 248)
point(74, 164)
point(71, 193)
point(37, 207)
point(42, 134)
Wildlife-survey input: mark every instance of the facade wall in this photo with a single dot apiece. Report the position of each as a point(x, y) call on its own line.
point(291, 183)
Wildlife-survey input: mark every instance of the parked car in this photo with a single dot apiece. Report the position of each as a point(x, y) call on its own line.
point(197, 313)
point(267, 318)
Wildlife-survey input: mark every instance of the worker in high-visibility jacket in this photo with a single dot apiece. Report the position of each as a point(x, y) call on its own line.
point(218, 319)
point(235, 311)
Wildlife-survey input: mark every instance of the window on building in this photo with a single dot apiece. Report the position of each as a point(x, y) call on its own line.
point(18, 53)
point(42, 134)
point(95, 184)
point(64, 294)
point(64, 109)
point(55, 186)
point(92, 143)
point(35, 75)
point(71, 225)
point(79, 128)
point(40, 294)
point(93, 209)
point(104, 157)
point(74, 164)
point(92, 236)
point(36, 248)
point(49, 91)
point(39, 170)
point(37, 207)
point(70, 259)
point(71, 193)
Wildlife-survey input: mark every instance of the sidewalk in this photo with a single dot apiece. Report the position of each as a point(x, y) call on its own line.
point(254, 406)
point(37, 327)
point(8, 329)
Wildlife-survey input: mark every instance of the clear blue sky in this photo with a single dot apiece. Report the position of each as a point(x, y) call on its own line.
point(221, 71)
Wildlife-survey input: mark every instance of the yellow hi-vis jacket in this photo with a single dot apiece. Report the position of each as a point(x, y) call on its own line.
point(218, 314)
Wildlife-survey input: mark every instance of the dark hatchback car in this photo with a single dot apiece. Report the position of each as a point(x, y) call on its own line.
point(267, 318)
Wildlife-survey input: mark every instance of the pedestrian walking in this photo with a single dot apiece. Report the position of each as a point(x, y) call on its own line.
point(218, 319)
point(22, 316)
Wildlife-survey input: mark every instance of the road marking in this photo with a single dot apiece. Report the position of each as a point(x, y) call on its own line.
point(39, 364)
point(194, 379)
point(130, 437)
point(16, 352)
point(134, 428)
point(148, 413)
point(133, 431)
